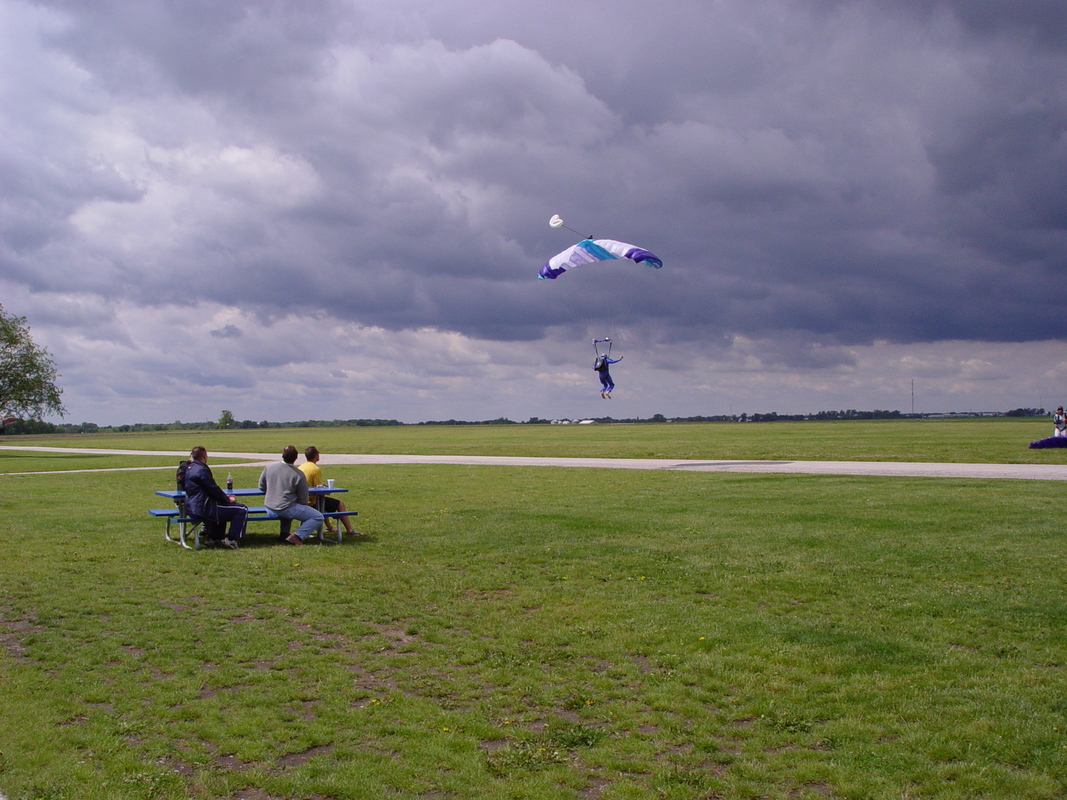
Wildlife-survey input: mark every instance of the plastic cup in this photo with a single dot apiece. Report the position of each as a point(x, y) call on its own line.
point(329, 483)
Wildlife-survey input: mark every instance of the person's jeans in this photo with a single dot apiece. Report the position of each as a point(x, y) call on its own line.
point(309, 518)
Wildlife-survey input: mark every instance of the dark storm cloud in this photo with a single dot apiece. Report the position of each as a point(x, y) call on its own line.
point(814, 175)
point(835, 160)
point(245, 51)
point(1042, 22)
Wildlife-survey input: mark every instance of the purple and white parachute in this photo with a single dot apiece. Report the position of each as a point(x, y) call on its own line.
point(591, 250)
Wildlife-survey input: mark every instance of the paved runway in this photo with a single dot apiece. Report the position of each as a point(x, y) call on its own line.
point(913, 469)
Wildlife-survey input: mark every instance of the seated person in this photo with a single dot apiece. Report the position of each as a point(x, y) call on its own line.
point(205, 501)
point(313, 473)
point(286, 496)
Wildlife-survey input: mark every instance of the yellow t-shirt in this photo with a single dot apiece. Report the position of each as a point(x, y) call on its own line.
point(314, 476)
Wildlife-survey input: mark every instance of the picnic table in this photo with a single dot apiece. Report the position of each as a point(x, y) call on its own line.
point(189, 528)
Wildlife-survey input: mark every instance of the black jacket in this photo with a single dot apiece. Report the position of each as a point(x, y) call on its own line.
point(202, 495)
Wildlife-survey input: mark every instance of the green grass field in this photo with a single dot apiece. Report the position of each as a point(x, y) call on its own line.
point(544, 633)
point(996, 440)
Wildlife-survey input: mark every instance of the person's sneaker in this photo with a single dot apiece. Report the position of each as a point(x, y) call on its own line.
point(292, 538)
point(228, 543)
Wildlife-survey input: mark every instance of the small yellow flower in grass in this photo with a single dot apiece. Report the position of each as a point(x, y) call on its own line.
point(444, 729)
point(701, 638)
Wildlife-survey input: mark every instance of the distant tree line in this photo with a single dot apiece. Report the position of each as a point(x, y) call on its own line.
point(497, 421)
point(36, 427)
point(227, 421)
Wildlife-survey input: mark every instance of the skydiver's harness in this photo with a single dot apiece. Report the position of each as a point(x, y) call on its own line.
point(601, 362)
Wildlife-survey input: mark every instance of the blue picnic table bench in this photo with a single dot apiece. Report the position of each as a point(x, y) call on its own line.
point(189, 528)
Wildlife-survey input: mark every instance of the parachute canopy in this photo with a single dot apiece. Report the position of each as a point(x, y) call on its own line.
point(589, 250)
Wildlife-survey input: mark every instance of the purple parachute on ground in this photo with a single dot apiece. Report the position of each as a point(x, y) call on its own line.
point(1051, 441)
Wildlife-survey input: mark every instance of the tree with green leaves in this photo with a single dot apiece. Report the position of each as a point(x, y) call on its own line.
point(27, 374)
point(226, 419)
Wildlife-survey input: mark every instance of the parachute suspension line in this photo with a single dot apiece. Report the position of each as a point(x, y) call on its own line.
point(602, 345)
point(557, 222)
point(620, 315)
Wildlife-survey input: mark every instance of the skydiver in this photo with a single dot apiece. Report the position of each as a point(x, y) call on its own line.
point(606, 383)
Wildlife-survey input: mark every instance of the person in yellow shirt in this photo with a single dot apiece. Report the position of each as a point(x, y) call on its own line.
point(313, 473)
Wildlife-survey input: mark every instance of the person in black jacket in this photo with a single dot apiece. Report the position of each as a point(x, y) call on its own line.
point(205, 501)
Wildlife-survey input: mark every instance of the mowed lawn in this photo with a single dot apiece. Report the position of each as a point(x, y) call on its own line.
point(539, 633)
point(997, 440)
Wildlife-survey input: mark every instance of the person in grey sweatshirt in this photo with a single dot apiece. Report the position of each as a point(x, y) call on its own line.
point(286, 490)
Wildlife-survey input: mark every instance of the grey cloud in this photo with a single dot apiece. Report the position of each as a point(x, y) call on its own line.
point(228, 332)
point(818, 175)
point(1041, 22)
point(229, 379)
point(252, 51)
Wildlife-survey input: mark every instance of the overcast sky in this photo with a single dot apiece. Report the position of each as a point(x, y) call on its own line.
point(319, 209)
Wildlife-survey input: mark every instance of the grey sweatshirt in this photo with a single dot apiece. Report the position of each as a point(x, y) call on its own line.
point(284, 486)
